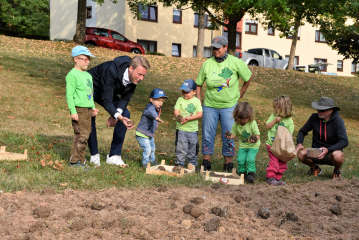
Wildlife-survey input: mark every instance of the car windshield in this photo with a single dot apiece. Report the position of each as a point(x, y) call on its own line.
point(117, 36)
point(101, 32)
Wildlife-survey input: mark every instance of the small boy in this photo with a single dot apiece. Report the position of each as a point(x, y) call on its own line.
point(188, 110)
point(148, 125)
point(79, 96)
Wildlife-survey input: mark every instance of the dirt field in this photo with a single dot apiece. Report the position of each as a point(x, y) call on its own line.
point(320, 210)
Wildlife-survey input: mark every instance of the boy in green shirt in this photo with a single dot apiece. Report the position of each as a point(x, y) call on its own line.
point(188, 110)
point(79, 96)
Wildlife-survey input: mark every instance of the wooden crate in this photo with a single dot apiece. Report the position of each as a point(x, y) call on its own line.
point(238, 180)
point(154, 170)
point(12, 156)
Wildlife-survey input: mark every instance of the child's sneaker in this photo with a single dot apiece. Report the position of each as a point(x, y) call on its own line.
point(336, 175)
point(154, 163)
point(280, 182)
point(95, 160)
point(84, 167)
point(272, 181)
point(251, 177)
point(207, 165)
point(316, 171)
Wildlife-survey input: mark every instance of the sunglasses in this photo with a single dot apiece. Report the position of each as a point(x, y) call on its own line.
point(322, 110)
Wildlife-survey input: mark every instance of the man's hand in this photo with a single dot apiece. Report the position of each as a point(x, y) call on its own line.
point(159, 120)
point(299, 147)
point(125, 121)
point(325, 152)
point(111, 122)
point(94, 112)
point(75, 117)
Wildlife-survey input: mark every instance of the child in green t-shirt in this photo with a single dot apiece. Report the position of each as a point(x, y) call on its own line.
point(79, 96)
point(281, 117)
point(246, 128)
point(188, 110)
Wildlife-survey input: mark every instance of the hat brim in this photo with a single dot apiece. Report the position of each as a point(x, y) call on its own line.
point(216, 45)
point(186, 89)
point(315, 105)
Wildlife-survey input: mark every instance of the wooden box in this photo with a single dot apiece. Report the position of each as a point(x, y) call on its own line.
point(313, 153)
point(238, 180)
point(168, 172)
point(12, 156)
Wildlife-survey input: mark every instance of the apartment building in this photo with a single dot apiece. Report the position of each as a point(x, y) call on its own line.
point(174, 32)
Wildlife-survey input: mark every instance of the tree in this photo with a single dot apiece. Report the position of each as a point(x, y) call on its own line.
point(200, 38)
point(26, 16)
point(79, 36)
point(287, 16)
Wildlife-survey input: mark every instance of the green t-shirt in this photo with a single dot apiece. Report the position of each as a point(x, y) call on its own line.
point(222, 81)
point(286, 122)
point(79, 90)
point(244, 132)
point(188, 108)
point(141, 134)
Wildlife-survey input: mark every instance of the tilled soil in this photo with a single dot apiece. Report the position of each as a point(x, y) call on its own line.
point(317, 210)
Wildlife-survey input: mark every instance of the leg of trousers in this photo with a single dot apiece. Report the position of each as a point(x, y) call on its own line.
point(119, 135)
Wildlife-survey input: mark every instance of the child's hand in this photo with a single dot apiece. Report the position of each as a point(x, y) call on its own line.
point(184, 120)
point(94, 112)
point(75, 117)
point(159, 120)
point(278, 119)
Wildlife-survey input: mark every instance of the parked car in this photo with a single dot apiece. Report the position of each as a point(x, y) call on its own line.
point(313, 68)
point(107, 38)
point(263, 57)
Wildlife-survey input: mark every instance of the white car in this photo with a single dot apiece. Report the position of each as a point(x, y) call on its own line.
point(263, 57)
point(313, 68)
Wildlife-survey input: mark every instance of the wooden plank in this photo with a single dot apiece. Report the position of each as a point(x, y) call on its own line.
point(12, 156)
point(154, 170)
point(238, 180)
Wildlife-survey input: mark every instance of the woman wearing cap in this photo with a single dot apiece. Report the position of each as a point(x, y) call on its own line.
point(221, 74)
point(329, 134)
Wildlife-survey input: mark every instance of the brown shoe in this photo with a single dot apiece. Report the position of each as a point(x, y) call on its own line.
point(336, 175)
point(316, 171)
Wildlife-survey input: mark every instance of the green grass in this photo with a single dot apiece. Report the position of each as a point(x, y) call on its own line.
point(34, 116)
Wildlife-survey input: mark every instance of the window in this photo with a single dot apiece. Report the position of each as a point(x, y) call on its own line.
point(117, 36)
point(355, 67)
point(88, 12)
point(207, 22)
point(319, 37)
point(101, 32)
point(238, 38)
point(148, 45)
point(340, 65)
point(271, 31)
point(291, 37)
point(319, 60)
point(176, 50)
point(206, 52)
point(148, 13)
point(251, 27)
point(296, 59)
point(177, 16)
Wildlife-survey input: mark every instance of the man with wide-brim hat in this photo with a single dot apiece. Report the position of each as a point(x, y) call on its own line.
point(329, 134)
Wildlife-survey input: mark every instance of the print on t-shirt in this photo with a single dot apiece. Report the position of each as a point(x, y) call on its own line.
point(245, 135)
point(191, 109)
point(89, 84)
point(226, 74)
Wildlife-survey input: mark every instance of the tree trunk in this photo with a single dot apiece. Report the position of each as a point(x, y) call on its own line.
point(79, 37)
point(294, 45)
point(232, 32)
point(200, 38)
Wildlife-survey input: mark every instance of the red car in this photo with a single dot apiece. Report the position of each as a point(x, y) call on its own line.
point(107, 38)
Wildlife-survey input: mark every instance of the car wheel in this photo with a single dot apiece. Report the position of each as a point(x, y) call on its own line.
point(253, 63)
point(136, 51)
point(91, 44)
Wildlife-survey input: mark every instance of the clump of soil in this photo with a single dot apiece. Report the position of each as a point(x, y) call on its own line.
point(225, 213)
point(97, 206)
point(213, 174)
point(127, 208)
point(197, 200)
point(238, 199)
point(179, 118)
point(176, 169)
point(215, 185)
point(216, 211)
point(338, 198)
point(291, 217)
point(175, 196)
point(69, 215)
point(131, 123)
point(195, 212)
point(42, 212)
point(77, 226)
point(48, 192)
point(161, 168)
point(36, 226)
point(211, 225)
point(173, 205)
point(253, 138)
point(162, 189)
point(317, 194)
point(336, 210)
point(264, 213)
point(227, 134)
point(187, 208)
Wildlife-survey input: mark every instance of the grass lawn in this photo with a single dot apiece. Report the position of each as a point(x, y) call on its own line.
point(34, 116)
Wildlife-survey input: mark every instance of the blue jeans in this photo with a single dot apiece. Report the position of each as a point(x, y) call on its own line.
point(211, 117)
point(148, 146)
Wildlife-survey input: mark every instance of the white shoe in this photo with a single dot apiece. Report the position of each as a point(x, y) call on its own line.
point(95, 159)
point(116, 160)
point(121, 163)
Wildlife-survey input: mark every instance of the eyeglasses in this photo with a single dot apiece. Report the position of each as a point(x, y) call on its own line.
point(322, 110)
point(85, 59)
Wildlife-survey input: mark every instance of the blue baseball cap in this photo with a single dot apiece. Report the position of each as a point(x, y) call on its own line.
point(158, 93)
point(81, 50)
point(188, 85)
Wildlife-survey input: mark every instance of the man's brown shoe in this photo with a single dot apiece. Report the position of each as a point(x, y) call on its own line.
point(316, 171)
point(336, 175)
